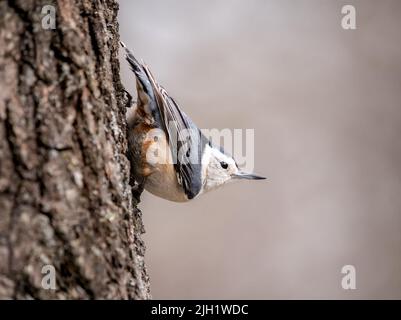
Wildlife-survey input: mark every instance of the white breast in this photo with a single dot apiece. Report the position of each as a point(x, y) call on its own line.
point(163, 181)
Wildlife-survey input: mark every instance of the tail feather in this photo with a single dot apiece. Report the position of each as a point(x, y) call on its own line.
point(145, 85)
point(139, 71)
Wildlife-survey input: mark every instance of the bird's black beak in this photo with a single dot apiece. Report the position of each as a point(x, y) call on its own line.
point(248, 176)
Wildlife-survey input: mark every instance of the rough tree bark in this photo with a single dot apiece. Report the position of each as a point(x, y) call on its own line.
point(65, 198)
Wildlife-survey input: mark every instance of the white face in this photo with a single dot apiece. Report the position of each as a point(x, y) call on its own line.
point(221, 168)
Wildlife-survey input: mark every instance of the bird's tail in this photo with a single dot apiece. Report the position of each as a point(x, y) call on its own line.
point(141, 72)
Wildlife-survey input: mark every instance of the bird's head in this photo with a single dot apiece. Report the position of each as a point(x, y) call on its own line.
point(220, 168)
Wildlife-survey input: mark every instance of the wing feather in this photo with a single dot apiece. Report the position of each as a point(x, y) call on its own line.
point(185, 139)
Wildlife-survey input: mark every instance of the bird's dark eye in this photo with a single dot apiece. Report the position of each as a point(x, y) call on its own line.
point(224, 165)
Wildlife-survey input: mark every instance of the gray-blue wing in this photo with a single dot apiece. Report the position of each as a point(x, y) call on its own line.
point(186, 142)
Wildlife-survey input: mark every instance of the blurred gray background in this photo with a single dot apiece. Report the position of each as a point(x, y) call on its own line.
point(325, 104)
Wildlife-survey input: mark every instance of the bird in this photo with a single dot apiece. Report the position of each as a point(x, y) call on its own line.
point(170, 157)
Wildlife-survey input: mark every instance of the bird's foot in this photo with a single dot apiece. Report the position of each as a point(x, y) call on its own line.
point(137, 190)
point(130, 100)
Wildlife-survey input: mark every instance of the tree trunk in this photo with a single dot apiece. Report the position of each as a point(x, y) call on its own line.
point(65, 198)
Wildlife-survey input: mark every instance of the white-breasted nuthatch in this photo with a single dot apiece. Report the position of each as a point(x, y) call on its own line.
point(169, 155)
